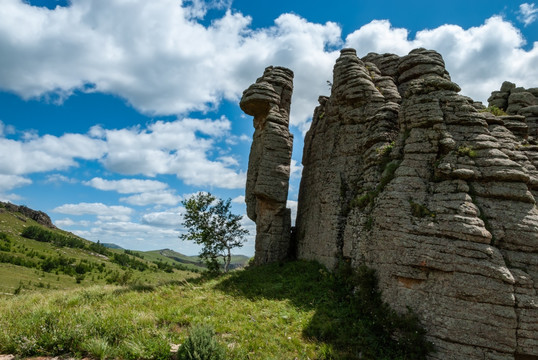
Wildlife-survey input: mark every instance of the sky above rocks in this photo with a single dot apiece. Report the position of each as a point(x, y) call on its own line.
point(113, 111)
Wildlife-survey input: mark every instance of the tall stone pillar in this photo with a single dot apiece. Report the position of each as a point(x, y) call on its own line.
point(269, 100)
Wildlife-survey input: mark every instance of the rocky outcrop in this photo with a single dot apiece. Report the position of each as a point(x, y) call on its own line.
point(521, 105)
point(38, 216)
point(269, 100)
point(403, 174)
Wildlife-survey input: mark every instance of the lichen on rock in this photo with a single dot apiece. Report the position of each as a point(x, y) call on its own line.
point(403, 174)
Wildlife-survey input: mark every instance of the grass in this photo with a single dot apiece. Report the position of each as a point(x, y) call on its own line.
point(466, 151)
point(35, 254)
point(281, 311)
point(495, 111)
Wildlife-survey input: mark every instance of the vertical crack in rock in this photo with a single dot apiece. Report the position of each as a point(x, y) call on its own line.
point(342, 154)
point(269, 101)
point(403, 174)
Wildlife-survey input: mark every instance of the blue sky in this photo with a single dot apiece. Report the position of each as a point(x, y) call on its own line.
point(113, 111)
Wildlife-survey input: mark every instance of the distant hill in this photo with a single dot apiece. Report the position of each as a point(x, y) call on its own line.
point(112, 246)
point(171, 256)
point(35, 255)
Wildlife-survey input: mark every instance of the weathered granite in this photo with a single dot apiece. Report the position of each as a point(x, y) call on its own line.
point(269, 100)
point(519, 101)
point(403, 174)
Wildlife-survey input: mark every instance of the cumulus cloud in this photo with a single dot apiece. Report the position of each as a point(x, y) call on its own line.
point(169, 218)
point(183, 148)
point(6, 129)
point(528, 13)
point(155, 54)
point(100, 210)
point(292, 205)
point(175, 64)
point(59, 178)
point(47, 153)
point(239, 199)
point(150, 191)
point(156, 197)
point(9, 182)
point(67, 222)
point(173, 148)
point(126, 186)
point(479, 59)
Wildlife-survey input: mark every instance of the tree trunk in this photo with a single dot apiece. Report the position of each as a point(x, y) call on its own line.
point(227, 261)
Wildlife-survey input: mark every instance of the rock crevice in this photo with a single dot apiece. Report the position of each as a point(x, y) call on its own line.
point(403, 174)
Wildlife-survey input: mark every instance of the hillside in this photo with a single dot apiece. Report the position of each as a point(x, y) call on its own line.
point(295, 310)
point(35, 255)
point(171, 256)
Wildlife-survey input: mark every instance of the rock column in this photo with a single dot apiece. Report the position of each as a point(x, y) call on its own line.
point(269, 100)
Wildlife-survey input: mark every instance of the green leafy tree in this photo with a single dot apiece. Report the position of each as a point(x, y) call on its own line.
point(210, 223)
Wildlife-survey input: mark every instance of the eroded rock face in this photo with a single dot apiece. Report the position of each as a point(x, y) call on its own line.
point(403, 174)
point(269, 100)
point(39, 216)
point(521, 105)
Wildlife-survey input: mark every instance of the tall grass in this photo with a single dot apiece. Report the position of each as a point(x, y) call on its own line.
point(280, 311)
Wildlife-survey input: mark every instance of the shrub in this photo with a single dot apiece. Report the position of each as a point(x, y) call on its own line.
point(362, 325)
point(466, 151)
point(495, 111)
point(201, 345)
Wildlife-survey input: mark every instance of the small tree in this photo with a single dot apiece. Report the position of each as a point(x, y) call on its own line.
point(210, 223)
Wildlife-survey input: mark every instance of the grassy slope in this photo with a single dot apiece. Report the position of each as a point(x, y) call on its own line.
point(13, 276)
point(290, 311)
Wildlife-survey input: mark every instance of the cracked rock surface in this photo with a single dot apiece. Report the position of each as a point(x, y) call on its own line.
point(404, 175)
point(269, 100)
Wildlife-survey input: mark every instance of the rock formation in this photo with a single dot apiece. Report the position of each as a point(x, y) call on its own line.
point(404, 175)
point(39, 216)
point(521, 106)
point(269, 100)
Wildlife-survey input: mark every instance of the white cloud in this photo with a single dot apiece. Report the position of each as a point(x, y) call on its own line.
point(379, 36)
point(173, 148)
point(292, 205)
point(479, 59)
point(157, 197)
point(63, 223)
point(46, 153)
point(156, 55)
point(150, 191)
point(67, 222)
point(9, 182)
point(6, 129)
point(182, 148)
point(528, 13)
point(162, 60)
point(296, 169)
point(169, 218)
point(59, 178)
point(126, 186)
point(239, 199)
point(102, 211)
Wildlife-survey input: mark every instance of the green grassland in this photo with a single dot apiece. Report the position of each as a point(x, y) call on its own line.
point(85, 300)
point(295, 310)
point(98, 268)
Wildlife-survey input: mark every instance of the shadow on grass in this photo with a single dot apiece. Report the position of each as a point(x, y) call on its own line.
point(350, 317)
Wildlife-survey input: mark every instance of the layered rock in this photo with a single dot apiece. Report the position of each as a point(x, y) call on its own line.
point(269, 100)
point(522, 107)
point(38, 216)
point(403, 174)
